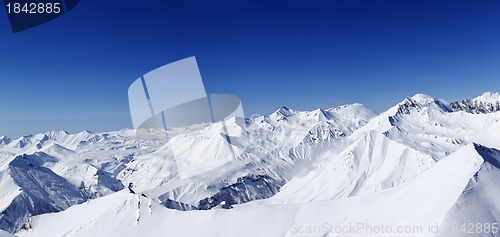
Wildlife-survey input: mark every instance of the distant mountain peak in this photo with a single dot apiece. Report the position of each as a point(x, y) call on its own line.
point(420, 101)
point(408, 104)
point(57, 133)
point(284, 111)
point(488, 97)
point(488, 102)
point(347, 106)
point(422, 98)
point(4, 140)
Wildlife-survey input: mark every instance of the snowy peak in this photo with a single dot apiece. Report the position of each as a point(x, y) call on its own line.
point(57, 134)
point(353, 111)
point(4, 140)
point(285, 112)
point(350, 116)
point(423, 98)
point(349, 107)
point(418, 102)
point(486, 103)
point(32, 143)
point(490, 155)
point(427, 100)
point(320, 114)
point(488, 97)
point(407, 105)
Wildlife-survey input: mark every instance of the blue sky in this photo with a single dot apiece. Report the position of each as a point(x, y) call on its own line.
point(73, 73)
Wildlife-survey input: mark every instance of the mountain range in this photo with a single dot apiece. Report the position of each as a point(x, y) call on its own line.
point(424, 167)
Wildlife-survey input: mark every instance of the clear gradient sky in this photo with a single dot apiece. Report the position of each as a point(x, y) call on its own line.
point(73, 73)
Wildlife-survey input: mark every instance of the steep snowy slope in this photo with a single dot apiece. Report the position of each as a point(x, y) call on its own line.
point(371, 164)
point(478, 206)
point(9, 189)
point(60, 170)
point(33, 189)
point(125, 214)
point(391, 149)
point(428, 125)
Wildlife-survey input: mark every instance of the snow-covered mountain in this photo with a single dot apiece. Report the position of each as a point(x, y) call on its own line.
point(486, 103)
point(423, 162)
point(127, 214)
point(4, 140)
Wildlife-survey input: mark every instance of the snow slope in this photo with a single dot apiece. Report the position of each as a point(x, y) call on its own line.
point(125, 214)
point(98, 164)
point(34, 190)
point(5, 234)
point(479, 202)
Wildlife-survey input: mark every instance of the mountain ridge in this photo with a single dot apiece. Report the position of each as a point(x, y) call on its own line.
point(304, 158)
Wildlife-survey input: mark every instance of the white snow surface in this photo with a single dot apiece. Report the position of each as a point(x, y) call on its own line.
point(488, 97)
point(5, 234)
point(125, 214)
